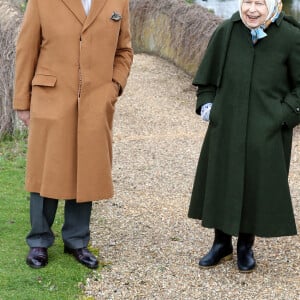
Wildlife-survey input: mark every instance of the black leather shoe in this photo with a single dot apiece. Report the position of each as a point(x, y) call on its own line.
point(221, 250)
point(37, 257)
point(84, 256)
point(246, 262)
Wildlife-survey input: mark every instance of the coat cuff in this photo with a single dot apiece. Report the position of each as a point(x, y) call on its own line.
point(291, 114)
point(21, 104)
point(203, 98)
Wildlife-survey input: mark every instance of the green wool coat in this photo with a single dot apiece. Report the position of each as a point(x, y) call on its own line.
point(241, 183)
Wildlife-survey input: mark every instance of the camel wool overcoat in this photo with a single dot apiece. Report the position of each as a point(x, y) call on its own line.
point(68, 67)
point(241, 183)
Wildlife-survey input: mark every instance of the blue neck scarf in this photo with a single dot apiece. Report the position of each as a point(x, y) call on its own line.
point(259, 32)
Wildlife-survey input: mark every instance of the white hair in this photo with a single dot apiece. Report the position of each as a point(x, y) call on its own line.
point(271, 5)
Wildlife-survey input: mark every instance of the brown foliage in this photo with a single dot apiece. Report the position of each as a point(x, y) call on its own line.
point(173, 30)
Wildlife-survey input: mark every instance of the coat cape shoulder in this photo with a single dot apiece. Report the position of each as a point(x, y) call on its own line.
point(206, 75)
point(218, 44)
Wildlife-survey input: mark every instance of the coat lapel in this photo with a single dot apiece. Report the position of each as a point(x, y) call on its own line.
point(96, 7)
point(77, 9)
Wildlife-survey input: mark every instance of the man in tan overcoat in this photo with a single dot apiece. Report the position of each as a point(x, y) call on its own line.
point(73, 59)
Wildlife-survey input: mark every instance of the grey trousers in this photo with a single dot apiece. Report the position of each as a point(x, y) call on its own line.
point(76, 228)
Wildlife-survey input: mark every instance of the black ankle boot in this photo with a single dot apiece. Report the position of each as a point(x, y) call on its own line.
point(246, 261)
point(221, 250)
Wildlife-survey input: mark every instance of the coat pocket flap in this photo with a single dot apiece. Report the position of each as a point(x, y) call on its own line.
point(44, 80)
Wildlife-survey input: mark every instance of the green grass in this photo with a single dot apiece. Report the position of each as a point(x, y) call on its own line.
point(63, 278)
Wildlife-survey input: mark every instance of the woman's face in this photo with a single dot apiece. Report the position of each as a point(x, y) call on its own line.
point(254, 12)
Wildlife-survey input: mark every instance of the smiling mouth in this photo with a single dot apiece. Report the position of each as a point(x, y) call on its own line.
point(252, 17)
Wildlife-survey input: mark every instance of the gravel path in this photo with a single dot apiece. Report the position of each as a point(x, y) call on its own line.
point(149, 247)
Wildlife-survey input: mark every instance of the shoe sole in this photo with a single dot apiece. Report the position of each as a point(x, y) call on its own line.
point(247, 271)
point(222, 260)
point(36, 267)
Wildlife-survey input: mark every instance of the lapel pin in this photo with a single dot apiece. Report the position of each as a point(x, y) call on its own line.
point(116, 17)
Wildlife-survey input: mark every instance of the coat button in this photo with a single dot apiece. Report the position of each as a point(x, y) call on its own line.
point(298, 109)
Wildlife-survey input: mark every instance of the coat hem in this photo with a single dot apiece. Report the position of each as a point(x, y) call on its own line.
point(258, 233)
point(70, 197)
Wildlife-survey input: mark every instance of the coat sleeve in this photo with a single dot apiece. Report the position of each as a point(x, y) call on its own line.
point(27, 52)
point(291, 103)
point(124, 51)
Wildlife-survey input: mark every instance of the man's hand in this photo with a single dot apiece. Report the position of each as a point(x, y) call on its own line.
point(24, 116)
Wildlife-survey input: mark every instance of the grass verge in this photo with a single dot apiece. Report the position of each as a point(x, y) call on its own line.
point(63, 278)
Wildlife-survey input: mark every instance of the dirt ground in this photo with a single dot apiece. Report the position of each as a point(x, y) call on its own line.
point(149, 247)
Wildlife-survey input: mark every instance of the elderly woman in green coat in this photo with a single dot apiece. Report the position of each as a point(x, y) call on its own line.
point(249, 91)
